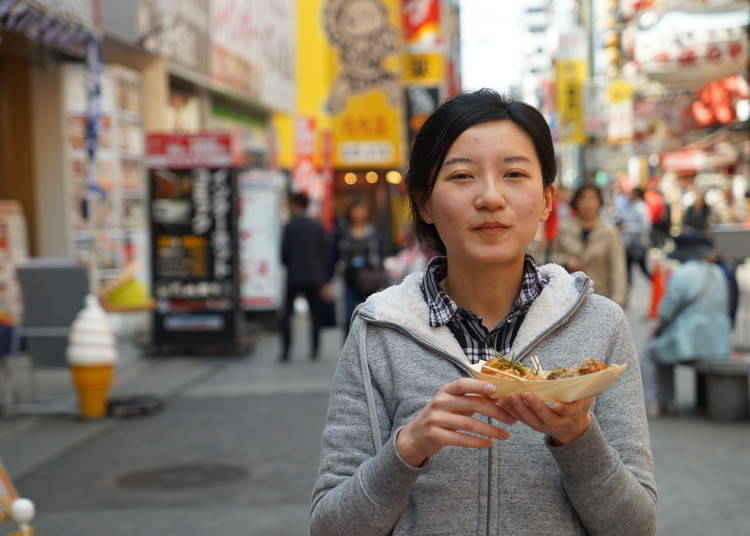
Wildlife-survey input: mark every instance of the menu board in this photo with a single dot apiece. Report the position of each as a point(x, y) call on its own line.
point(108, 216)
point(193, 240)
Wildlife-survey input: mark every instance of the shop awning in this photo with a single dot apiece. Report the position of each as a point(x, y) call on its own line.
point(698, 159)
point(65, 25)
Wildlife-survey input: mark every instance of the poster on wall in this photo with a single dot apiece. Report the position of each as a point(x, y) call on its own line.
point(107, 214)
point(276, 33)
point(192, 204)
point(14, 250)
point(178, 31)
point(366, 98)
point(234, 40)
point(260, 196)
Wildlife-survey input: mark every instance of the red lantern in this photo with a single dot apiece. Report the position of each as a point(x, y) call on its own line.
point(713, 54)
point(687, 57)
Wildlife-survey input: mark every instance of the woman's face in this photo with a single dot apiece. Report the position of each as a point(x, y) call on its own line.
point(489, 196)
point(588, 205)
point(359, 214)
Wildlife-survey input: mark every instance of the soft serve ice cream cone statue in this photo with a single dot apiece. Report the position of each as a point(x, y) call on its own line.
point(92, 355)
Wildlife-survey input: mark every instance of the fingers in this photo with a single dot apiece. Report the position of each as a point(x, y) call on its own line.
point(572, 409)
point(453, 422)
point(466, 386)
point(524, 411)
point(459, 439)
point(469, 405)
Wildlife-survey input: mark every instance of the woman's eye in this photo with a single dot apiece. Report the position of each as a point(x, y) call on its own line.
point(515, 174)
point(460, 176)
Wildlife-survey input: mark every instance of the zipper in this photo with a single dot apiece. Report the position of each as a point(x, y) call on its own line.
point(462, 365)
point(527, 350)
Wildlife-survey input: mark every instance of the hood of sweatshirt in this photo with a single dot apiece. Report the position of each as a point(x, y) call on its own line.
point(404, 306)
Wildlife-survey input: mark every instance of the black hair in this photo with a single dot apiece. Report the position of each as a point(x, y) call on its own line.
point(357, 202)
point(300, 199)
point(582, 189)
point(445, 125)
point(639, 193)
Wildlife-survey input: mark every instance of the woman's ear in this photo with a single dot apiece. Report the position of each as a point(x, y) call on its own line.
point(425, 213)
point(549, 197)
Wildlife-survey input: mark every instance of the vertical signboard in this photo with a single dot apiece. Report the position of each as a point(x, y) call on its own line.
point(234, 38)
point(276, 45)
point(571, 75)
point(420, 103)
point(261, 193)
point(365, 98)
point(193, 238)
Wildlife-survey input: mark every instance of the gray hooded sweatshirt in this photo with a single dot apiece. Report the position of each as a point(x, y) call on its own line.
point(392, 365)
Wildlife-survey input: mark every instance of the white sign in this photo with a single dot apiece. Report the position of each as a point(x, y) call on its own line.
point(366, 152)
point(276, 32)
point(689, 49)
point(260, 229)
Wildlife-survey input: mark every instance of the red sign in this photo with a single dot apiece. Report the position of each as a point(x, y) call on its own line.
point(304, 174)
point(421, 22)
point(184, 151)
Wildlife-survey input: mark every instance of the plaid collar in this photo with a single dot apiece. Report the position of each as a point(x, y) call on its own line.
point(444, 310)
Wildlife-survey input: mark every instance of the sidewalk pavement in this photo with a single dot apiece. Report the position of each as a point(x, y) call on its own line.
point(267, 417)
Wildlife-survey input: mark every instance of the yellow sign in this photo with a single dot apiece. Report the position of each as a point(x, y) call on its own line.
point(368, 133)
point(424, 69)
point(365, 97)
point(619, 90)
point(571, 74)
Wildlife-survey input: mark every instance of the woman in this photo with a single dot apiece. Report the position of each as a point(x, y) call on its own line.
point(588, 244)
point(362, 252)
point(412, 443)
point(694, 320)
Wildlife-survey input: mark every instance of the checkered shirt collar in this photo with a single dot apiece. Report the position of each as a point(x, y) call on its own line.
point(443, 309)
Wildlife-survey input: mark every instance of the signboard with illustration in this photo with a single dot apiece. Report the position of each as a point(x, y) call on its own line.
point(365, 99)
point(193, 238)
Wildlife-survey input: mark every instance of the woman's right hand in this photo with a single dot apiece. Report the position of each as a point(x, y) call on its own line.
point(449, 411)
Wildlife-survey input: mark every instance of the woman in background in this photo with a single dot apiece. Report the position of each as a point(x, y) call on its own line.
point(588, 244)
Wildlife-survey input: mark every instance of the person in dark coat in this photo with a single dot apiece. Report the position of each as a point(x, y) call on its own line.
point(305, 253)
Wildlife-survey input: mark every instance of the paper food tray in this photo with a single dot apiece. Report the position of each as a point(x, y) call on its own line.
point(563, 390)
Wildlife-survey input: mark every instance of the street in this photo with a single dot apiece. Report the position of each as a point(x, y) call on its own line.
point(236, 449)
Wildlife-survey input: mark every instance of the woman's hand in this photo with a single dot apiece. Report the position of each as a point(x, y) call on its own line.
point(564, 422)
point(449, 411)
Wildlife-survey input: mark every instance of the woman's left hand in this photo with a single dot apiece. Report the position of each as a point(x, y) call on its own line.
point(564, 422)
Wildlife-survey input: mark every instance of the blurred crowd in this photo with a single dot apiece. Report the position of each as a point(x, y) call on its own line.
point(609, 234)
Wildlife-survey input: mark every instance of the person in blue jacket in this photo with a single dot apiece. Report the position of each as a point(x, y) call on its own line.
point(693, 320)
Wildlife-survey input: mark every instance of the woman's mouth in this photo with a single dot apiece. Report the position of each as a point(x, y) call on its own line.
point(491, 227)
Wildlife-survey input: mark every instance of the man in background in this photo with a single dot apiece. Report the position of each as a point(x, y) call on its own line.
point(304, 252)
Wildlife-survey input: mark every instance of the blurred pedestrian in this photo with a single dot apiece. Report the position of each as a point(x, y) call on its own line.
point(636, 230)
point(660, 215)
point(361, 251)
point(588, 244)
point(698, 215)
point(693, 320)
point(304, 252)
point(412, 443)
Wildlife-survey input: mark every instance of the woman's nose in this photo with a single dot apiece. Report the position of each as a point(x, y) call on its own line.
point(490, 195)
